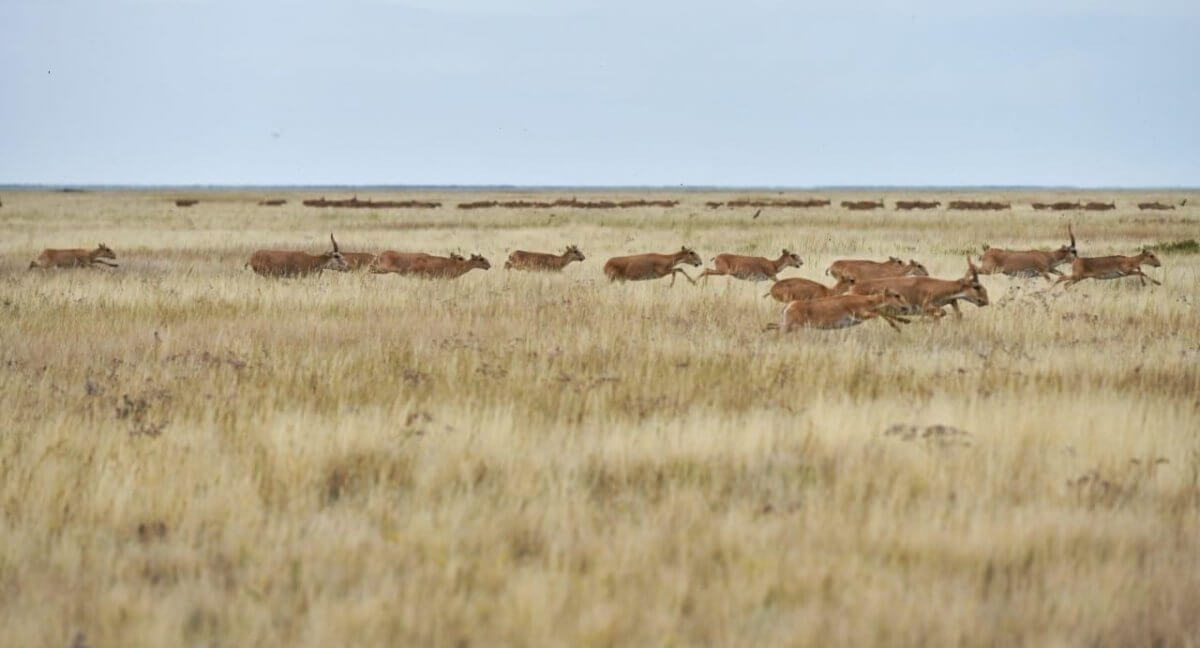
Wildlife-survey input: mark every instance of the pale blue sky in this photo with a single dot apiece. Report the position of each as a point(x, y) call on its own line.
point(758, 93)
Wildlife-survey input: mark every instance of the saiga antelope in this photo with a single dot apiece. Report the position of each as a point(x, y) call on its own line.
point(542, 261)
point(926, 295)
point(1111, 267)
point(641, 267)
point(751, 268)
point(76, 258)
point(402, 262)
point(359, 260)
point(427, 265)
point(1027, 263)
point(861, 270)
point(799, 289)
point(288, 263)
point(842, 311)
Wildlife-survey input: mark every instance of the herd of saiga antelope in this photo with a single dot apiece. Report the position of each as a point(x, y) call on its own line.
point(864, 289)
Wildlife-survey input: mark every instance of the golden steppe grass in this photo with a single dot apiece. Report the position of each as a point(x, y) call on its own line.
point(195, 455)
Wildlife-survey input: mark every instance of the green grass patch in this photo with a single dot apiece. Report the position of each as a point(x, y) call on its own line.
point(1184, 246)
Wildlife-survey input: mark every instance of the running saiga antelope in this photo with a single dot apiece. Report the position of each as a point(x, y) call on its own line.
point(1027, 263)
point(427, 265)
point(800, 289)
point(861, 270)
point(842, 311)
point(403, 262)
point(751, 268)
point(928, 296)
point(641, 267)
point(359, 260)
point(542, 261)
point(77, 258)
point(1111, 267)
point(288, 263)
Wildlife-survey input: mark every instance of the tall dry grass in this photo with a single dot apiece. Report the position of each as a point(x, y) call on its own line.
point(196, 455)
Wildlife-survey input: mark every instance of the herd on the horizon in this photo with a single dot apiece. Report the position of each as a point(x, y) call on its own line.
point(806, 203)
point(865, 289)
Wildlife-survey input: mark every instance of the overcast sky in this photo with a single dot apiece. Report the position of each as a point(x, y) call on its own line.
point(600, 92)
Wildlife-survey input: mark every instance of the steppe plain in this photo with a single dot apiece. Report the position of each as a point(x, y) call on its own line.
point(195, 455)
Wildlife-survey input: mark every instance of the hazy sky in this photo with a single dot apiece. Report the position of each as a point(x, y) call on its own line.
point(600, 92)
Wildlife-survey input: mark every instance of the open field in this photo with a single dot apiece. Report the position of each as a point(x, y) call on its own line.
point(195, 455)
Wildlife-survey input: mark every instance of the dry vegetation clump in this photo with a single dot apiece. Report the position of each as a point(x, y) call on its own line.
point(194, 454)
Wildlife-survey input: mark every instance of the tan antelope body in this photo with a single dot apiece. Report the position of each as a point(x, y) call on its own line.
point(427, 265)
point(800, 289)
point(359, 260)
point(76, 258)
point(542, 261)
point(861, 270)
point(1111, 267)
point(1027, 263)
point(391, 261)
point(751, 268)
point(642, 267)
point(926, 295)
point(289, 263)
point(842, 311)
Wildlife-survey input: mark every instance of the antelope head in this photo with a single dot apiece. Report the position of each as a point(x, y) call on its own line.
point(104, 252)
point(477, 261)
point(843, 285)
point(688, 256)
point(892, 300)
point(334, 259)
point(916, 269)
point(572, 253)
point(788, 258)
point(1149, 258)
point(971, 289)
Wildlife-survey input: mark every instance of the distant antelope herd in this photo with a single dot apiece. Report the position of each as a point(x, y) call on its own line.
point(865, 289)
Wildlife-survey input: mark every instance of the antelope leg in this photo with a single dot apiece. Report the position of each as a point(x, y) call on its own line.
point(1152, 280)
point(888, 319)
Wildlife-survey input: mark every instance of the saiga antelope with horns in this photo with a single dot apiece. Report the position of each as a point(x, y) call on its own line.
point(1111, 267)
point(288, 263)
point(928, 296)
point(1027, 263)
point(642, 267)
point(751, 268)
point(76, 258)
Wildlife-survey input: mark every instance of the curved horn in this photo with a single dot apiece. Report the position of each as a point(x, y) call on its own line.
point(1072, 234)
point(971, 268)
point(334, 241)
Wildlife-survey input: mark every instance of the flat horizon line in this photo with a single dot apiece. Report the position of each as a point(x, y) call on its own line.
point(67, 187)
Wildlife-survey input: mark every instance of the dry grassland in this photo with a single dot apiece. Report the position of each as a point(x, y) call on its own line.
point(195, 455)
